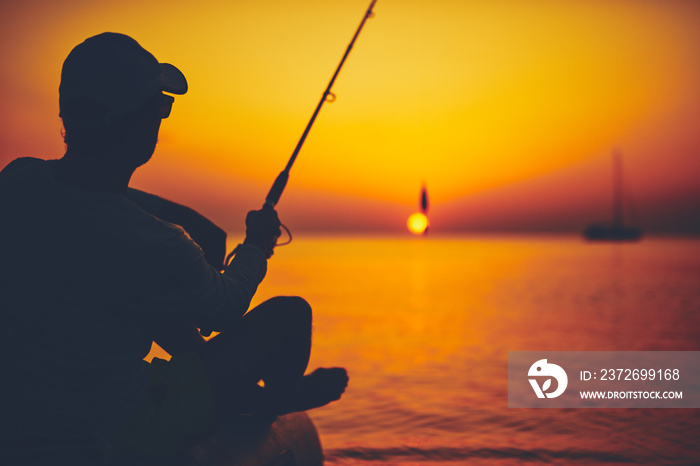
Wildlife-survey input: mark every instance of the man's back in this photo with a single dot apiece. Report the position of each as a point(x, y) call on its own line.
point(84, 278)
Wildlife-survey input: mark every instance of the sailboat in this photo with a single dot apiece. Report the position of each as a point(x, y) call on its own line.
point(617, 231)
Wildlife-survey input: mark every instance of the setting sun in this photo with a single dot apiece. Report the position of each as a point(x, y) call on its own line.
point(417, 223)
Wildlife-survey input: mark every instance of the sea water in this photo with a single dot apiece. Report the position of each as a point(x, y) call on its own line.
point(424, 326)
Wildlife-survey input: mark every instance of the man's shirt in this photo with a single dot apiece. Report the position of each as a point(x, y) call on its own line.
point(84, 276)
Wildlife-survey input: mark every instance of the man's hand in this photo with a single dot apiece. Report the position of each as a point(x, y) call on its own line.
point(262, 230)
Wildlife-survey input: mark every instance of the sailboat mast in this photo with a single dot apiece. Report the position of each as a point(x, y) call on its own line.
point(618, 219)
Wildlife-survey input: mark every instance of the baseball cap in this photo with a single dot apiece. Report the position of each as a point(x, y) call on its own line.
point(109, 75)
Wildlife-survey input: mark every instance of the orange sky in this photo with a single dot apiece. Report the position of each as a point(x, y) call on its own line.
point(508, 110)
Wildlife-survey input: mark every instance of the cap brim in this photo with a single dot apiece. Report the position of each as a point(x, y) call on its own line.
point(172, 79)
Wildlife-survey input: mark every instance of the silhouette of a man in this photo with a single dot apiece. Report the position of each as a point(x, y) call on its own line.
point(92, 272)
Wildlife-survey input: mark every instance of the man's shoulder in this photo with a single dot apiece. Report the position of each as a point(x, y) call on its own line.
point(21, 179)
point(23, 163)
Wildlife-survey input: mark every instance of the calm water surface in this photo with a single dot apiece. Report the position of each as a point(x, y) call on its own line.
point(424, 326)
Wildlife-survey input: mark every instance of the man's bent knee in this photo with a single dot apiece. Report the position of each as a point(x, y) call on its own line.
point(294, 307)
point(289, 310)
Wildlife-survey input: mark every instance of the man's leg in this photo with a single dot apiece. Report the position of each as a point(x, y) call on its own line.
point(272, 343)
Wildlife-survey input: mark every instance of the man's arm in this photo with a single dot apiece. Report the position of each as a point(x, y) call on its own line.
point(247, 268)
point(203, 231)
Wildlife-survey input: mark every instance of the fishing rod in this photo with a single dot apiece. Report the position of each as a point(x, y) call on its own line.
point(273, 196)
